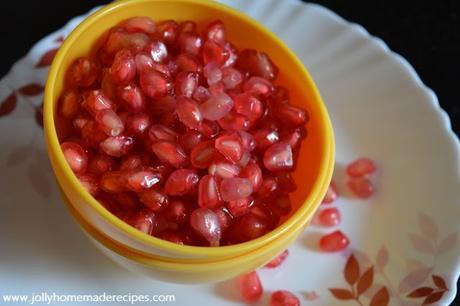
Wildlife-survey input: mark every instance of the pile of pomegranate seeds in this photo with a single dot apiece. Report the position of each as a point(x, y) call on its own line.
point(180, 134)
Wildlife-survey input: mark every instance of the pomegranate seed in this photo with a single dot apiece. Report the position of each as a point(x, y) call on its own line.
point(292, 137)
point(281, 205)
point(225, 218)
point(80, 121)
point(114, 182)
point(97, 101)
point(328, 217)
point(247, 105)
point(131, 97)
point(214, 52)
point(186, 83)
point(164, 106)
point(174, 237)
point(254, 174)
point(161, 132)
point(181, 182)
point(190, 43)
point(212, 73)
point(136, 42)
point(92, 134)
point(69, 104)
point(190, 140)
point(215, 31)
point(187, 26)
point(83, 72)
point(170, 153)
point(209, 129)
point(257, 64)
point(361, 166)
point(138, 123)
point(167, 31)
point(334, 242)
point(279, 96)
point(331, 193)
point(141, 180)
point(201, 94)
point(251, 289)
point(268, 187)
point(248, 141)
point(284, 298)
point(216, 107)
point(203, 154)
point(291, 115)
point(144, 221)
point(117, 146)
point(235, 188)
point(231, 78)
point(188, 62)
point(278, 260)
point(90, 183)
point(116, 40)
point(230, 146)
point(285, 182)
point(239, 208)
point(278, 157)
point(232, 54)
point(265, 137)
point(123, 69)
point(216, 89)
point(155, 84)
point(101, 163)
point(224, 169)
point(131, 161)
point(361, 187)
point(259, 87)
point(177, 212)
point(110, 123)
point(250, 227)
point(206, 223)
point(75, 156)
point(208, 193)
point(188, 112)
point(139, 24)
point(234, 122)
point(157, 50)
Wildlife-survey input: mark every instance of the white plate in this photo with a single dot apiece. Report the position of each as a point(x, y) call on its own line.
point(379, 108)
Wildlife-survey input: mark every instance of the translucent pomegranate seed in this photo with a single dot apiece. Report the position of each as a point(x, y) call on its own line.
point(92, 134)
point(285, 182)
point(110, 123)
point(126, 201)
point(235, 188)
point(331, 193)
point(292, 137)
point(186, 83)
point(206, 223)
point(253, 173)
point(75, 156)
point(188, 112)
point(117, 146)
point(214, 52)
point(131, 161)
point(279, 96)
point(284, 298)
point(234, 122)
point(208, 192)
point(239, 208)
point(217, 89)
point(281, 205)
point(278, 260)
point(69, 104)
point(144, 221)
point(170, 153)
point(291, 115)
point(167, 31)
point(131, 97)
point(225, 218)
point(80, 121)
point(96, 101)
point(278, 157)
point(123, 69)
point(230, 146)
point(212, 73)
point(231, 78)
point(328, 217)
point(190, 140)
point(140, 180)
point(250, 227)
point(108, 86)
point(216, 107)
point(138, 124)
point(215, 31)
point(209, 129)
point(101, 163)
point(139, 24)
point(136, 42)
point(166, 105)
point(245, 158)
point(203, 154)
point(247, 140)
point(265, 137)
point(334, 242)
point(268, 187)
point(114, 182)
point(201, 94)
point(157, 50)
point(361, 166)
point(144, 62)
point(181, 182)
point(251, 289)
point(161, 132)
point(83, 72)
point(187, 26)
point(155, 84)
point(259, 87)
point(257, 64)
point(188, 62)
point(361, 187)
point(90, 183)
point(116, 40)
point(190, 43)
point(224, 169)
point(247, 105)
point(232, 54)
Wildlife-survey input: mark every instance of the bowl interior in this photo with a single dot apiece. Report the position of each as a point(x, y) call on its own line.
point(312, 172)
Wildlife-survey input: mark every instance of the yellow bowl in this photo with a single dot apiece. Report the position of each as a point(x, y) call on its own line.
point(316, 156)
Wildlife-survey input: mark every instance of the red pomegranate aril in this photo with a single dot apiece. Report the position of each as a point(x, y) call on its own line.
point(241, 207)
point(188, 62)
point(116, 40)
point(80, 121)
point(209, 129)
point(214, 52)
point(268, 187)
point(285, 182)
point(123, 69)
point(232, 54)
point(245, 158)
point(117, 146)
point(190, 140)
point(230, 146)
point(225, 218)
point(181, 182)
point(362, 187)
point(249, 106)
point(136, 42)
point(361, 167)
point(76, 156)
point(139, 24)
point(247, 140)
point(216, 107)
point(144, 62)
point(292, 137)
point(208, 192)
point(138, 124)
point(110, 123)
point(201, 94)
point(187, 26)
point(235, 188)
point(251, 289)
point(206, 223)
point(132, 97)
point(177, 212)
point(190, 43)
point(281, 205)
point(154, 198)
point(131, 161)
point(96, 101)
point(90, 183)
point(170, 153)
point(290, 115)
point(163, 106)
point(253, 173)
point(278, 260)
point(331, 193)
point(256, 64)
point(83, 72)
point(155, 84)
point(92, 134)
point(161, 132)
point(157, 51)
point(284, 298)
point(140, 180)
point(167, 31)
point(69, 104)
point(334, 242)
point(265, 137)
point(231, 78)
point(101, 163)
point(328, 217)
point(217, 89)
point(215, 31)
point(278, 157)
point(144, 221)
point(259, 87)
point(279, 96)
point(203, 155)
point(234, 122)
point(212, 73)
point(114, 182)
point(224, 169)
point(188, 112)
point(186, 83)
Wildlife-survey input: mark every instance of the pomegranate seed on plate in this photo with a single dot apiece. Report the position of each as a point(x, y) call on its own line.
point(251, 289)
point(328, 217)
point(235, 188)
point(110, 123)
point(170, 153)
point(230, 146)
point(117, 146)
point(161, 132)
point(253, 173)
point(257, 64)
point(181, 182)
point(361, 187)
point(208, 192)
point(83, 72)
point(131, 97)
point(139, 24)
point(140, 180)
point(155, 84)
point(278, 260)
point(90, 183)
point(157, 50)
point(206, 223)
point(331, 193)
point(123, 69)
point(284, 298)
point(334, 242)
point(188, 112)
point(278, 157)
point(138, 123)
point(361, 166)
point(69, 104)
point(75, 156)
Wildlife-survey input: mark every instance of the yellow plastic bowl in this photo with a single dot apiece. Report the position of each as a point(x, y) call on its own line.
point(316, 156)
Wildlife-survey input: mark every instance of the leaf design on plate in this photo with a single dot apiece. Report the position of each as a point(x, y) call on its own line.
point(31, 89)
point(413, 264)
point(47, 58)
point(419, 292)
point(38, 179)
point(381, 298)
point(448, 242)
point(8, 104)
point(351, 271)
point(365, 281)
point(414, 279)
point(434, 297)
point(439, 282)
point(428, 226)
point(382, 258)
point(421, 244)
point(342, 294)
point(39, 115)
point(18, 156)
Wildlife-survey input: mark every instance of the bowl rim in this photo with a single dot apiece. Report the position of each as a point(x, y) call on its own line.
point(305, 210)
